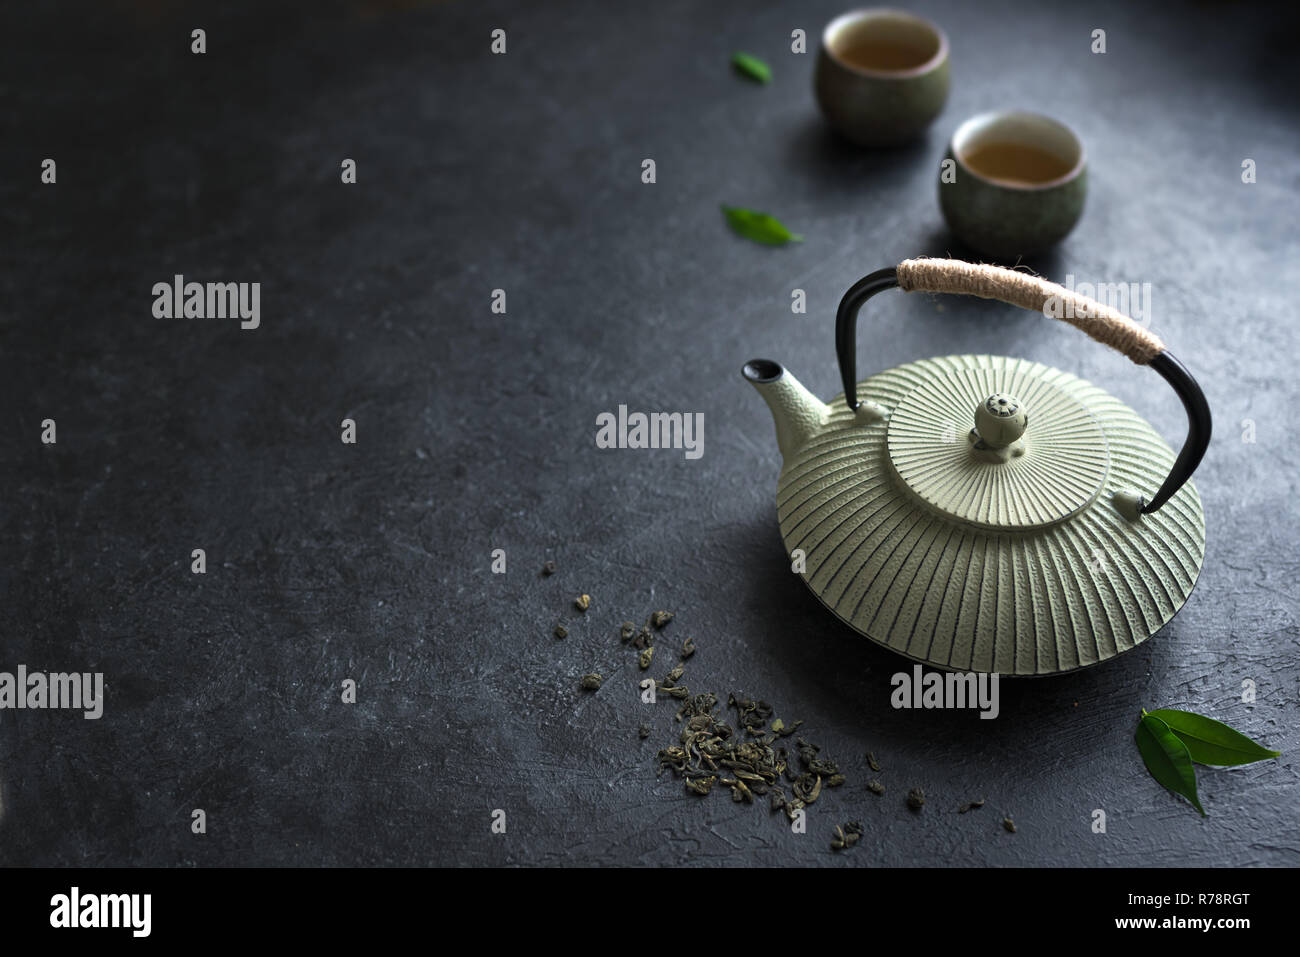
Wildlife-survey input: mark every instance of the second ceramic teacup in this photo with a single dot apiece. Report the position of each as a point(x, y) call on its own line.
point(1013, 183)
point(881, 75)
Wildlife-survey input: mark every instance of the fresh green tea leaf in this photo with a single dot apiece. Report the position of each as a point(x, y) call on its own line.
point(1167, 758)
point(760, 227)
point(752, 67)
point(1213, 742)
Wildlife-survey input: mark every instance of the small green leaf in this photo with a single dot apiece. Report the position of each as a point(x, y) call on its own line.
point(760, 227)
point(752, 67)
point(1167, 759)
point(1213, 742)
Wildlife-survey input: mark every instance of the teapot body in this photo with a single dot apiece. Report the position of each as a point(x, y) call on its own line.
point(969, 557)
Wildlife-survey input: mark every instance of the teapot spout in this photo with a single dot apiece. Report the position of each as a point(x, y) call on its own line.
point(798, 414)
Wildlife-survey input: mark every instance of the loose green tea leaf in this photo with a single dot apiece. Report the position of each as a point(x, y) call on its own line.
point(746, 759)
point(561, 631)
point(1167, 758)
point(871, 762)
point(916, 799)
point(582, 602)
point(808, 787)
point(846, 835)
point(812, 762)
point(760, 227)
point(688, 647)
point(875, 787)
point(1213, 742)
point(752, 67)
point(592, 682)
point(646, 657)
point(970, 806)
point(1009, 825)
point(626, 632)
point(661, 618)
point(739, 792)
point(700, 785)
point(643, 732)
point(548, 568)
point(752, 715)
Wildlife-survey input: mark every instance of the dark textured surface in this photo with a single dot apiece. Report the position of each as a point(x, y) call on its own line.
point(372, 562)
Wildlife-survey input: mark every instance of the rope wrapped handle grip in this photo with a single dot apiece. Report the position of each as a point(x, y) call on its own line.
point(1104, 324)
point(1108, 326)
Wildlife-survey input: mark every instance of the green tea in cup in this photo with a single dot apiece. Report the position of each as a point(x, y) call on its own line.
point(1013, 183)
point(1016, 164)
point(881, 76)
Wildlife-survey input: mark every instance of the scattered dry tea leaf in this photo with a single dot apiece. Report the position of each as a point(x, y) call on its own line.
point(561, 631)
point(1009, 824)
point(582, 602)
point(809, 757)
point(748, 759)
point(808, 787)
point(740, 792)
point(688, 647)
point(871, 762)
point(646, 656)
point(661, 618)
point(970, 806)
point(643, 732)
point(846, 835)
point(916, 799)
point(548, 568)
point(592, 681)
point(626, 631)
point(752, 715)
point(700, 785)
point(875, 787)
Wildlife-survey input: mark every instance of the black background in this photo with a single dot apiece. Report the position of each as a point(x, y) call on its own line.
point(373, 561)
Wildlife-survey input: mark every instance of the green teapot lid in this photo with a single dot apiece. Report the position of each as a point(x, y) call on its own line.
point(1001, 474)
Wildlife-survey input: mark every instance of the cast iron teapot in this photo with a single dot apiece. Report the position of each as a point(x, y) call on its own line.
point(1031, 544)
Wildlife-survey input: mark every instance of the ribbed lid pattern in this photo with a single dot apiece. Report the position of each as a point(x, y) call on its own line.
point(1060, 470)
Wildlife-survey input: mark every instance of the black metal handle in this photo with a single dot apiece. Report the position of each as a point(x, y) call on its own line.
point(1173, 371)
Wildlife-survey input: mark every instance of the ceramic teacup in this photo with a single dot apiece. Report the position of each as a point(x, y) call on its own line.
point(1015, 184)
point(881, 75)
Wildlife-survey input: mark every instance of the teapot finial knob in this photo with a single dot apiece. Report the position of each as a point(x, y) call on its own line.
point(1000, 421)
